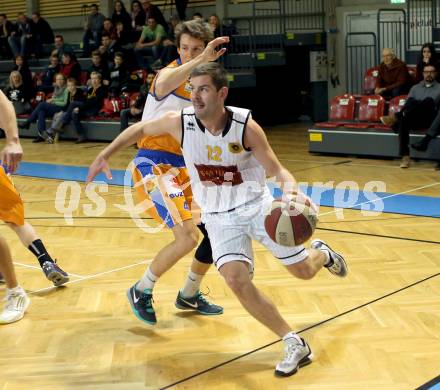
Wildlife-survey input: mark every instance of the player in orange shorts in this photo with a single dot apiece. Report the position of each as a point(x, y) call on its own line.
point(12, 213)
point(161, 179)
point(11, 207)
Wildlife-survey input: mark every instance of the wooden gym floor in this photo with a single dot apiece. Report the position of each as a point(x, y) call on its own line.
point(377, 329)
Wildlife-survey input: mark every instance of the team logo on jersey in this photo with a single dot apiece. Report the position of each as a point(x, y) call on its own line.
point(191, 126)
point(187, 88)
point(235, 147)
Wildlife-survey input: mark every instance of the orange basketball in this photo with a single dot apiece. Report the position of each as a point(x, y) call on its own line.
point(291, 223)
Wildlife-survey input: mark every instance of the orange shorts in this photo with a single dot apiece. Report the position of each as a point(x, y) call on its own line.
point(164, 188)
point(11, 205)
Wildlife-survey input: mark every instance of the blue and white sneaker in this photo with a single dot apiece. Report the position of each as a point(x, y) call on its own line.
point(336, 265)
point(54, 273)
point(297, 353)
point(141, 304)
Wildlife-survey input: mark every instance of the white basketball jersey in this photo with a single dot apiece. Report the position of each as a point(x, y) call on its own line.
point(224, 174)
point(174, 101)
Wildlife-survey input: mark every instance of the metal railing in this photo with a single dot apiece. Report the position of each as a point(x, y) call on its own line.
point(391, 31)
point(361, 54)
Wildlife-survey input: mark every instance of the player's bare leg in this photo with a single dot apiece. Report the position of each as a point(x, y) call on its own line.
point(297, 353)
point(16, 299)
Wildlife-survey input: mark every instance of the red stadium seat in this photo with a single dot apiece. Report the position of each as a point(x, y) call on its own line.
point(371, 108)
point(133, 98)
point(39, 97)
point(341, 111)
point(370, 78)
point(83, 78)
point(396, 104)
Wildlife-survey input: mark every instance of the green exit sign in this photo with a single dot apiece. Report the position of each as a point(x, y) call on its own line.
point(398, 1)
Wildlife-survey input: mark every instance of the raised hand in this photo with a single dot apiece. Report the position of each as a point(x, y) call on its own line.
point(210, 53)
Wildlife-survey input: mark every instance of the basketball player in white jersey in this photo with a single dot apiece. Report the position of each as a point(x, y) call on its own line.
point(228, 157)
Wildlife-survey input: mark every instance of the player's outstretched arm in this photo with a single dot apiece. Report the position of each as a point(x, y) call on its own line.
point(12, 153)
point(169, 79)
point(170, 124)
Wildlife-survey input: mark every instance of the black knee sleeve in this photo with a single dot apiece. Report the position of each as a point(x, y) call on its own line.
point(204, 251)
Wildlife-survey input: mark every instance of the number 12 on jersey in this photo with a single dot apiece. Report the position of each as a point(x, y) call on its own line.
point(214, 153)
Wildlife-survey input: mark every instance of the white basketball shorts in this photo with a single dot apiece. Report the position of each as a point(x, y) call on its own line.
point(231, 234)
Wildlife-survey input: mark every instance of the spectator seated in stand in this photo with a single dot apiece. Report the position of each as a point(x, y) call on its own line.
point(216, 26)
point(95, 96)
point(42, 33)
point(107, 49)
point(70, 67)
point(137, 107)
point(119, 75)
point(428, 56)
point(47, 109)
point(393, 78)
point(18, 94)
point(150, 43)
point(153, 11)
point(169, 51)
point(109, 28)
point(120, 14)
point(61, 47)
point(92, 29)
point(123, 40)
point(6, 28)
point(21, 38)
point(46, 82)
point(98, 66)
point(74, 95)
point(138, 19)
point(22, 66)
point(418, 112)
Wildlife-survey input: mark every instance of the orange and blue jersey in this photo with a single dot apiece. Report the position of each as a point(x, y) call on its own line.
point(160, 175)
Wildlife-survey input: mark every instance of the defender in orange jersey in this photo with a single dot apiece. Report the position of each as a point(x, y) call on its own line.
point(11, 205)
point(11, 208)
point(162, 180)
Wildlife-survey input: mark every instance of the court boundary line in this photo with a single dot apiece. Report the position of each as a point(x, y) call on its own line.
point(39, 268)
point(380, 236)
point(93, 276)
point(302, 330)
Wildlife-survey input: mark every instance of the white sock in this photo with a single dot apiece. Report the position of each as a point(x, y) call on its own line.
point(16, 290)
point(328, 259)
point(147, 281)
point(192, 285)
point(291, 337)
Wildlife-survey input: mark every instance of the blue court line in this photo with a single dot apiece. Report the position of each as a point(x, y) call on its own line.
point(426, 206)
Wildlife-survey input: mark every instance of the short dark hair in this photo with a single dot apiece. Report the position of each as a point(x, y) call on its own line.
point(94, 5)
point(4, 15)
point(72, 80)
point(59, 36)
point(96, 53)
point(216, 71)
point(36, 13)
point(105, 34)
point(430, 65)
point(120, 54)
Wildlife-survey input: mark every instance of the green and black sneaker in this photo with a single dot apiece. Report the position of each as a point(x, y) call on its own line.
point(198, 303)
